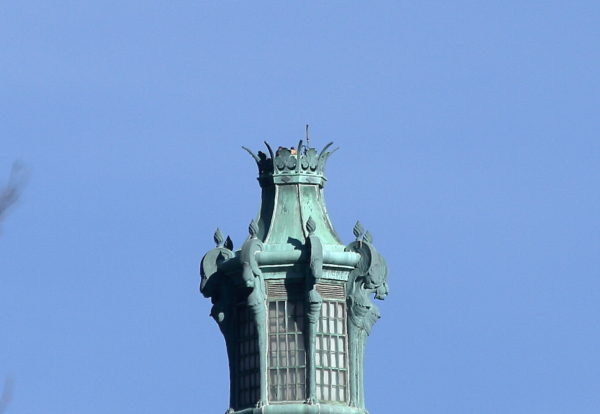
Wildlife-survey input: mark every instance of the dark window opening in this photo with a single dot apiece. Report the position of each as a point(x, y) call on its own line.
point(248, 380)
point(287, 356)
point(331, 353)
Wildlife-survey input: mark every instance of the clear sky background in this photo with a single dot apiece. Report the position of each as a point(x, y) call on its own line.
point(470, 148)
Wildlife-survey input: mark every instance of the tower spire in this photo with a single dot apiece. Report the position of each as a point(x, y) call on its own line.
point(294, 303)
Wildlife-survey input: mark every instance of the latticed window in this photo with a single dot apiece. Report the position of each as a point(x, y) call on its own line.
point(287, 357)
point(248, 367)
point(331, 351)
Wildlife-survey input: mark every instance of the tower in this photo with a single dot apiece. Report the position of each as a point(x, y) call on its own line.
point(294, 302)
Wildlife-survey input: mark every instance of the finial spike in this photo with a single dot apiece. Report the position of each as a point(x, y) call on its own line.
point(228, 243)
point(253, 155)
point(307, 137)
point(270, 150)
point(299, 152)
point(325, 149)
point(218, 237)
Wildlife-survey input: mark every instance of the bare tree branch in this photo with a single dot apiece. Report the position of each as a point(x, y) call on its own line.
point(6, 394)
point(10, 193)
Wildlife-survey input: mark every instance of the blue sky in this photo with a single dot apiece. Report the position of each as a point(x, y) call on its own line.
point(469, 148)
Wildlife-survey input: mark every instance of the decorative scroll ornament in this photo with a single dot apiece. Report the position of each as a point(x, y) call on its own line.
point(368, 278)
point(226, 290)
point(215, 284)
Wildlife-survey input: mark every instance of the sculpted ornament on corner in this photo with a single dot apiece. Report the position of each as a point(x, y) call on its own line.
point(368, 278)
point(253, 279)
point(218, 286)
point(312, 304)
point(213, 283)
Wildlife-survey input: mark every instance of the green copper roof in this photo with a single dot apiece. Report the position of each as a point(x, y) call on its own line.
point(292, 183)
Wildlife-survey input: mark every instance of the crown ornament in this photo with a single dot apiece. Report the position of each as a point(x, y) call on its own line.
point(302, 164)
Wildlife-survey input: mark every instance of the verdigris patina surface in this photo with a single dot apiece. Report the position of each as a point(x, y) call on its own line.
point(294, 303)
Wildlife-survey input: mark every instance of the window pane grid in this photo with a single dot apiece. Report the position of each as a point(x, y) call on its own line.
point(287, 356)
point(248, 372)
point(331, 352)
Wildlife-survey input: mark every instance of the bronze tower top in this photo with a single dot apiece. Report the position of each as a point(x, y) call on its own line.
point(294, 303)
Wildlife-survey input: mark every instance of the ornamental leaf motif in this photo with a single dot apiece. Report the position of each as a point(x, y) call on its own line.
point(358, 230)
point(218, 237)
point(253, 229)
point(311, 226)
point(304, 161)
point(311, 157)
point(291, 162)
point(281, 158)
point(368, 237)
